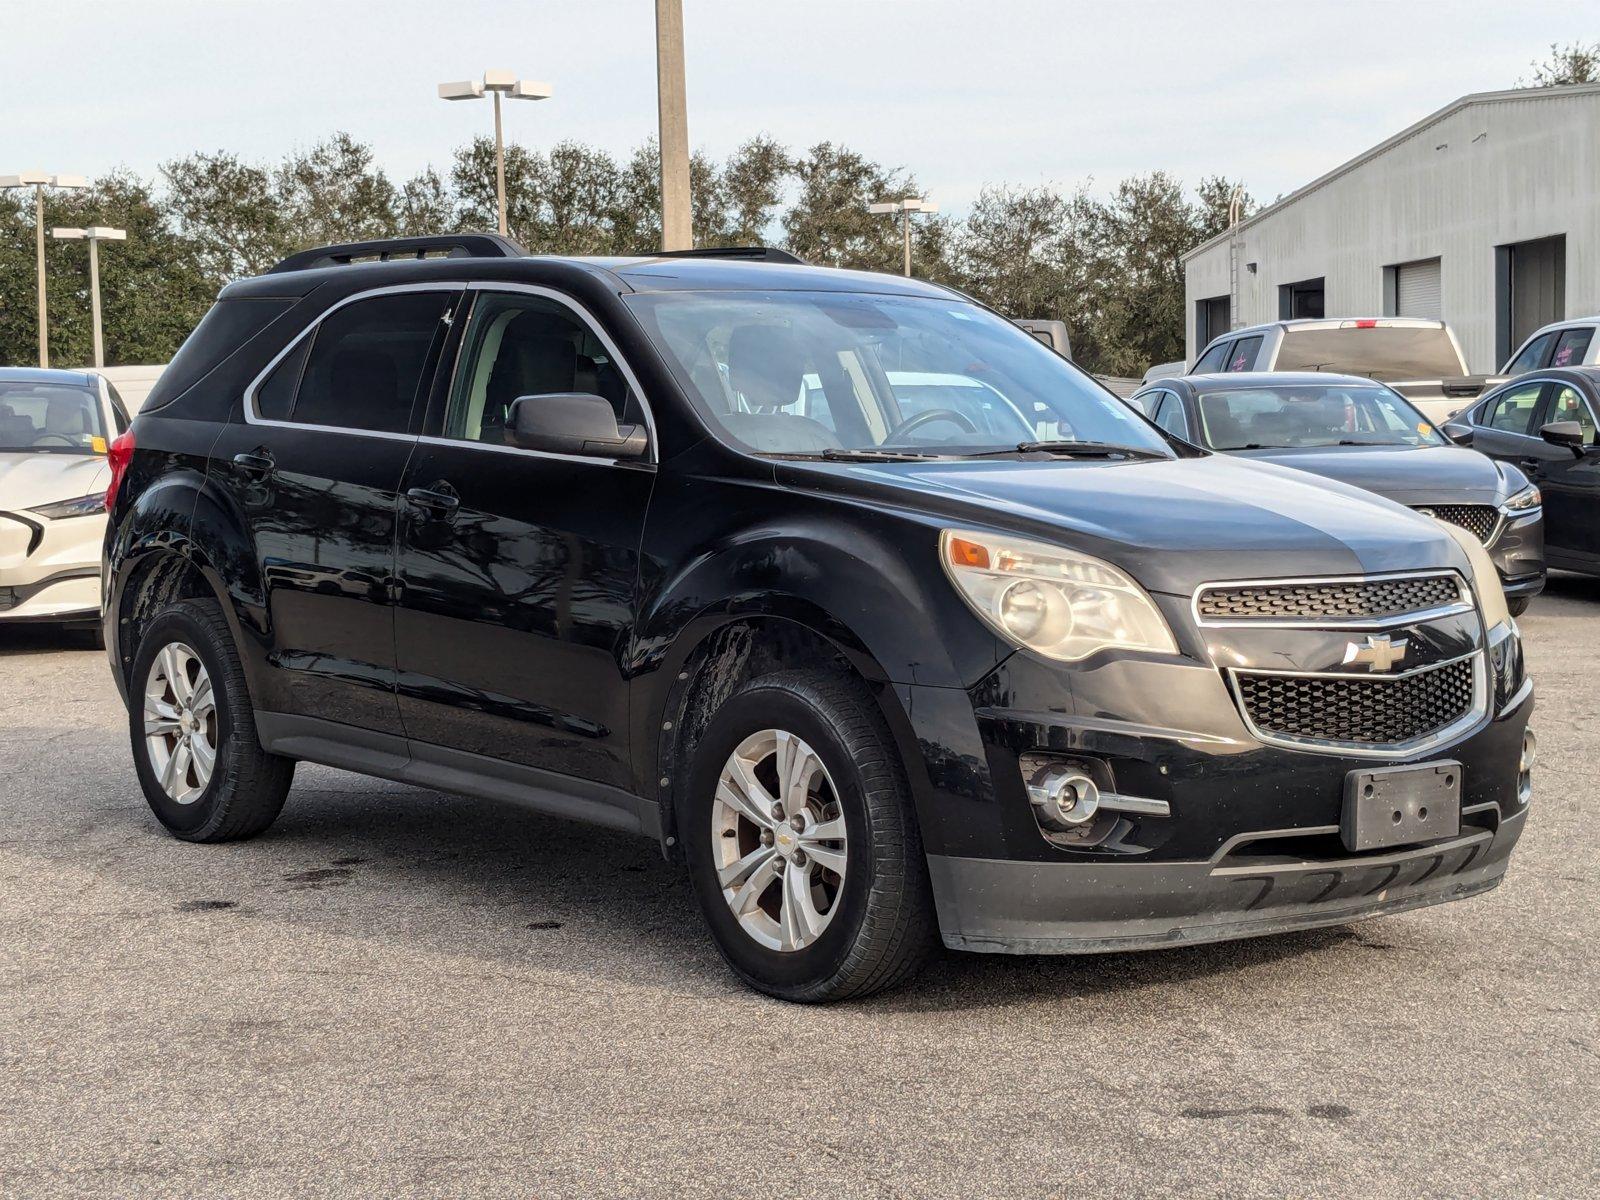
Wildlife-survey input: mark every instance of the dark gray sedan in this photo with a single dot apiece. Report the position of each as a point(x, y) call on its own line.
point(1360, 432)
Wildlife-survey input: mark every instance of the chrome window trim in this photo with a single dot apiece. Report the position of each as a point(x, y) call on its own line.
point(1464, 604)
point(253, 416)
point(1475, 716)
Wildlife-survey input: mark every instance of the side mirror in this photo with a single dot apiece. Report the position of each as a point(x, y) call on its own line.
point(1564, 433)
point(1460, 434)
point(573, 423)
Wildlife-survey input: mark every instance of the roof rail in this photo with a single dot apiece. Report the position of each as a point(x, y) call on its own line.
point(451, 245)
point(770, 254)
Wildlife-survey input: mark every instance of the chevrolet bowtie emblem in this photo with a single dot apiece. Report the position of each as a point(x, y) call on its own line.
point(1379, 653)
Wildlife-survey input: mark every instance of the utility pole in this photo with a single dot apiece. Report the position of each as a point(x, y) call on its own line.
point(677, 226)
point(904, 209)
point(38, 181)
point(94, 235)
point(497, 83)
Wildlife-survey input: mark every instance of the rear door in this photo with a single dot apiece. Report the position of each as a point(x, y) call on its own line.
point(519, 570)
point(314, 470)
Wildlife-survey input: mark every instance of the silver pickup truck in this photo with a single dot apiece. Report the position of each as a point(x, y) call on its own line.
point(1419, 359)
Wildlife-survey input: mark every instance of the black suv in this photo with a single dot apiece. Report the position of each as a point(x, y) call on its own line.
point(882, 615)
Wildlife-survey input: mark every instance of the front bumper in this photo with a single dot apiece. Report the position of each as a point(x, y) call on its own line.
point(50, 570)
point(1518, 553)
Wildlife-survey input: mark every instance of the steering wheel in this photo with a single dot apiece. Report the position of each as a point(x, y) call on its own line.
point(64, 439)
point(911, 424)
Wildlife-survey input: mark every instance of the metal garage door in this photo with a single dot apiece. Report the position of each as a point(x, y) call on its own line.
point(1417, 290)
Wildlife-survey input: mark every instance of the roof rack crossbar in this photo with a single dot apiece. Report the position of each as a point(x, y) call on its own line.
point(454, 245)
point(769, 254)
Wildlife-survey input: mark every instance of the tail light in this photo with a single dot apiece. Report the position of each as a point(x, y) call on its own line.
point(118, 456)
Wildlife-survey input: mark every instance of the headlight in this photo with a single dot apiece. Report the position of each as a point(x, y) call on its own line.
point(83, 506)
point(1527, 498)
point(1063, 605)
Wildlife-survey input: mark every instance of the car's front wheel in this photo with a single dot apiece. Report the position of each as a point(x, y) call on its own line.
point(802, 842)
point(202, 768)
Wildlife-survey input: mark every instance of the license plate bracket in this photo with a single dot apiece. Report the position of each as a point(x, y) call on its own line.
point(1397, 806)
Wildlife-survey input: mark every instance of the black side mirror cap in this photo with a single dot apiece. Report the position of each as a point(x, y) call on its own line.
point(1460, 434)
point(1564, 433)
point(573, 423)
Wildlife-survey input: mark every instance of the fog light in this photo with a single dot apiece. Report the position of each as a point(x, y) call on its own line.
point(1064, 798)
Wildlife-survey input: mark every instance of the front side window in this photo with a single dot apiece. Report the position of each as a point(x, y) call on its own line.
point(1568, 405)
point(1571, 346)
point(1212, 359)
point(361, 367)
point(1531, 357)
point(1170, 416)
point(51, 418)
point(523, 345)
point(1311, 415)
point(1512, 411)
point(809, 373)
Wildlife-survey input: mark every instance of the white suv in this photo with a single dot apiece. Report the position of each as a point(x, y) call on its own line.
point(1563, 344)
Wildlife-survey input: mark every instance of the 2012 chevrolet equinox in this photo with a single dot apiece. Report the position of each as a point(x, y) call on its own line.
point(884, 617)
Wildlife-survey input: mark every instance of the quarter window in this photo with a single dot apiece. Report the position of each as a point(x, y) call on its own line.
point(365, 364)
point(521, 345)
point(1571, 347)
point(1244, 352)
point(1568, 405)
point(1512, 411)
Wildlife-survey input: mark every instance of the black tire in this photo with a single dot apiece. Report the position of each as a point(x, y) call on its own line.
point(247, 785)
point(883, 926)
point(1518, 605)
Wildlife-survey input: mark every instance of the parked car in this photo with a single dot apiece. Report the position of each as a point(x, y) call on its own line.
point(552, 530)
point(1364, 433)
point(132, 384)
point(1419, 359)
point(1563, 344)
point(1544, 423)
point(1164, 370)
point(55, 428)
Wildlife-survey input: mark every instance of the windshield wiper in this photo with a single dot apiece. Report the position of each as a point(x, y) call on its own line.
point(1072, 450)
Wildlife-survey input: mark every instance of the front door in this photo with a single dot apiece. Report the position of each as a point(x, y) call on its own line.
point(518, 569)
point(1571, 485)
point(314, 469)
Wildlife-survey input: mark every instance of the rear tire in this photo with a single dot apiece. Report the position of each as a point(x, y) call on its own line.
point(202, 768)
point(1519, 605)
point(786, 922)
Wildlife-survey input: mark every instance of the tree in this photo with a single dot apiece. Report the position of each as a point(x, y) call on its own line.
point(1573, 63)
point(1022, 252)
point(829, 223)
point(334, 193)
point(752, 182)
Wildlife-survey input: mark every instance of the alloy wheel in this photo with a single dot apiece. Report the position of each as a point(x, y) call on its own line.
point(180, 722)
point(778, 840)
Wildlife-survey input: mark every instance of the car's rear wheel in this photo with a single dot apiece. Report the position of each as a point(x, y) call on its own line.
point(199, 762)
point(1518, 605)
point(802, 842)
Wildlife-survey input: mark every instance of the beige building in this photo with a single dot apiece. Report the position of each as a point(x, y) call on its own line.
point(1485, 214)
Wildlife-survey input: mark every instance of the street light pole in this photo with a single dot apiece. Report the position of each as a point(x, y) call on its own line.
point(904, 208)
point(497, 83)
point(38, 181)
point(672, 108)
point(94, 235)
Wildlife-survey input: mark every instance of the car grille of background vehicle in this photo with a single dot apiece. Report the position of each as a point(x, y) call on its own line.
point(1369, 712)
point(1363, 599)
point(1479, 520)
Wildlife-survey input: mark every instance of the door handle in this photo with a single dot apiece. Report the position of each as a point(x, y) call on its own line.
point(255, 462)
point(440, 500)
point(1530, 464)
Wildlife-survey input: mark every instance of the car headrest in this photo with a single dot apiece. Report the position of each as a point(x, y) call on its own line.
point(766, 364)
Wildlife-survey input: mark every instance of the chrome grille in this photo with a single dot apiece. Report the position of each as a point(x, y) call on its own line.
point(1365, 712)
point(1480, 520)
point(1328, 600)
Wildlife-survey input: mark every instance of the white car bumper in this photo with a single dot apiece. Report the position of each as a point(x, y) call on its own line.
point(50, 570)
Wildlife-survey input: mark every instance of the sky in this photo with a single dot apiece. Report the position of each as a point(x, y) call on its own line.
point(959, 92)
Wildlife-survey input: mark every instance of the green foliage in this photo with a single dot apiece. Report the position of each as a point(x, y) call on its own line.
point(1578, 62)
point(1108, 267)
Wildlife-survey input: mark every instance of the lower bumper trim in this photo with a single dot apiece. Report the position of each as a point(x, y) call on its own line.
point(999, 906)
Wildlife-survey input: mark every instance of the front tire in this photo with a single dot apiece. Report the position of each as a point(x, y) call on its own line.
point(802, 842)
point(1518, 605)
point(202, 768)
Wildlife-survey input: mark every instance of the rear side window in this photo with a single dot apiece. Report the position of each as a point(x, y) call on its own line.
point(1244, 353)
point(223, 330)
point(1532, 356)
point(1571, 347)
point(1512, 411)
point(1212, 359)
point(365, 364)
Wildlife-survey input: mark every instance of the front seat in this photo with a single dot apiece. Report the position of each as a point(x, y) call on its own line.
point(66, 417)
point(766, 366)
point(530, 362)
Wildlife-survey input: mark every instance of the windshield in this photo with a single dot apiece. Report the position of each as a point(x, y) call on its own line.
point(1377, 352)
point(1311, 415)
point(52, 418)
point(819, 373)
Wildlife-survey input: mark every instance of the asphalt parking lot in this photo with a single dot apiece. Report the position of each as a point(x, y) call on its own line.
point(396, 992)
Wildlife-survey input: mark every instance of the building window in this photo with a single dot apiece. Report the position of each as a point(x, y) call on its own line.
point(1530, 283)
point(1303, 299)
point(1211, 317)
point(1414, 289)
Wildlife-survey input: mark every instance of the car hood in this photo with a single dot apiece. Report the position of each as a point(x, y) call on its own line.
point(1408, 474)
point(1171, 524)
point(29, 478)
